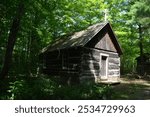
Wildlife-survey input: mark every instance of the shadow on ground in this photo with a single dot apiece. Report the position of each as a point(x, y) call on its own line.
point(131, 89)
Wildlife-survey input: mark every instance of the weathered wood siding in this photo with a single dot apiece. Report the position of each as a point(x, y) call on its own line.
point(90, 65)
point(106, 43)
point(113, 64)
point(63, 62)
point(103, 41)
point(81, 64)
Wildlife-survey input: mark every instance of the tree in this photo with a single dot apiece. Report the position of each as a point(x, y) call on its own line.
point(45, 20)
point(12, 39)
point(140, 19)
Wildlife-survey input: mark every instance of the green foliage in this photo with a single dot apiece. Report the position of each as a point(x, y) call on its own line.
point(43, 88)
point(44, 21)
point(15, 89)
point(86, 91)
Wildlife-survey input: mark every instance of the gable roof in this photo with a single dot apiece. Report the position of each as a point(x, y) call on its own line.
point(80, 39)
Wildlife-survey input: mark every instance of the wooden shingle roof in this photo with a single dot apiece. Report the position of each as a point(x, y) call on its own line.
point(78, 39)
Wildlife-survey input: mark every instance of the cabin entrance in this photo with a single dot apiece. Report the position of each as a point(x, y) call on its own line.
point(103, 66)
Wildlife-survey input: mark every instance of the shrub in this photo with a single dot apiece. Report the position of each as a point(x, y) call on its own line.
point(84, 91)
point(44, 88)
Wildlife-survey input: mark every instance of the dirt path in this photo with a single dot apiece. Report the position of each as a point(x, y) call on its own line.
point(130, 88)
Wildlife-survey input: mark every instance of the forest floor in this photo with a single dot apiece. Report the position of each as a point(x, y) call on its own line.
point(132, 89)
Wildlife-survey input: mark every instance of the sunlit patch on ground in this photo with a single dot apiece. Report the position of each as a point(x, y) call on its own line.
point(132, 89)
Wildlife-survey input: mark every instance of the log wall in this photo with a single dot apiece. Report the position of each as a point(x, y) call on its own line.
point(63, 62)
point(81, 64)
point(113, 64)
point(90, 64)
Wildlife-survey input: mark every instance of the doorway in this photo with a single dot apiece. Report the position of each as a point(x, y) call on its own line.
point(104, 66)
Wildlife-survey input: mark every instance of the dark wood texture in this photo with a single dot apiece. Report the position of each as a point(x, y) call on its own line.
point(63, 62)
point(106, 43)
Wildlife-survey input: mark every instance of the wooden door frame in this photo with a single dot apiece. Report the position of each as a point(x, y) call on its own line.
point(107, 58)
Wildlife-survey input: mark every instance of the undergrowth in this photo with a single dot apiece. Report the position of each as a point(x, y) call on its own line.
point(46, 89)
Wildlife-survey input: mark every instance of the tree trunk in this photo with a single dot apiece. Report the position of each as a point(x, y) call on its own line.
point(141, 50)
point(11, 40)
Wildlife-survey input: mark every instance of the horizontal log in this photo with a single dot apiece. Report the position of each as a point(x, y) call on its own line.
point(108, 52)
point(54, 65)
point(67, 61)
point(91, 66)
point(114, 72)
point(74, 57)
point(115, 66)
point(114, 55)
point(69, 66)
point(94, 72)
point(74, 60)
point(54, 69)
point(90, 51)
point(114, 60)
point(86, 62)
point(111, 54)
point(66, 52)
point(97, 52)
point(90, 57)
point(54, 61)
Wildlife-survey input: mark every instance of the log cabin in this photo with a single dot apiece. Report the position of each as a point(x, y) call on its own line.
point(90, 55)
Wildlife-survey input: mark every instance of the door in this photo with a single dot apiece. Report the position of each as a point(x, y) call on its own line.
point(104, 66)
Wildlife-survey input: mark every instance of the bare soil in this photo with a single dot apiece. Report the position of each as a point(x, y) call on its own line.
point(132, 89)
